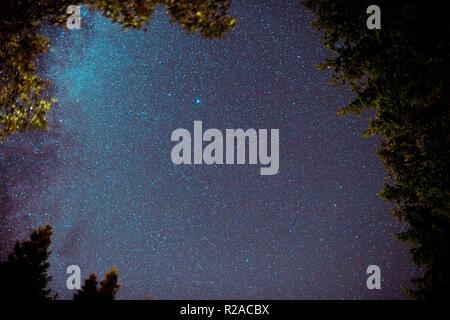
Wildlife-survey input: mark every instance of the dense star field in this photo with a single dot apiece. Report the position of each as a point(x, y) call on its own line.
point(103, 176)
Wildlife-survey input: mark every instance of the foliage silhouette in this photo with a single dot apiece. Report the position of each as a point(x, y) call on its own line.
point(24, 275)
point(402, 73)
point(106, 292)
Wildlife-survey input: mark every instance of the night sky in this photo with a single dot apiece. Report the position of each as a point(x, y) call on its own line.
point(103, 177)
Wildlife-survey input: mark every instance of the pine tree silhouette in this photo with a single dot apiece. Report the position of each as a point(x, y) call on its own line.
point(109, 287)
point(24, 275)
point(88, 289)
point(106, 292)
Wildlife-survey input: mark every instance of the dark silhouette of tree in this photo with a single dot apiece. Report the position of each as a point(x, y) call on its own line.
point(109, 287)
point(23, 102)
point(401, 72)
point(24, 275)
point(106, 292)
point(88, 290)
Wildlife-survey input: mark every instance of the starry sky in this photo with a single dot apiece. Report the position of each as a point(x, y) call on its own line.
point(103, 177)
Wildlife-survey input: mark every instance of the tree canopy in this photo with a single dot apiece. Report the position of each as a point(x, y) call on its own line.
point(401, 72)
point(24, 103)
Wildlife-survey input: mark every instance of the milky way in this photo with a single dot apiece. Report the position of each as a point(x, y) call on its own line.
point(103, 177)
